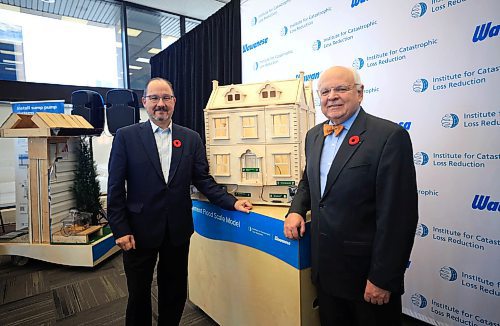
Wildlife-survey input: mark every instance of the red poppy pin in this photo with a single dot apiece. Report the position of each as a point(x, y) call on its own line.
point(353, 140)
point(177, 143)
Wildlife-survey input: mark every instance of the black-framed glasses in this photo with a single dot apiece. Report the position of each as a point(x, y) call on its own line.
point(156, 98)
point(341, 89)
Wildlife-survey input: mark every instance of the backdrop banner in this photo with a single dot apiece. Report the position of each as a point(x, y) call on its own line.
point(433, 67)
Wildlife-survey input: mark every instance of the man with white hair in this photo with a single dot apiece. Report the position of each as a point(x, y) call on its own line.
point(360, 185)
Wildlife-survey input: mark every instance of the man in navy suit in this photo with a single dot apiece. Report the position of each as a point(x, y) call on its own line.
point(151, 168)
point(360, 185)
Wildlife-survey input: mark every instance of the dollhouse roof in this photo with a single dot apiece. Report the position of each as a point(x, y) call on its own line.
point(288, 92)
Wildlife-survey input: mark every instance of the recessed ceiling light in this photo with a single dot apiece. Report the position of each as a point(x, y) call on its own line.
point(135, 67)
point(133, 32)
point(142, 60)
point(154, 51)
point(12, 62)
point(11, 8)
point(10, 52)
point(48, 1)
point(74, 20)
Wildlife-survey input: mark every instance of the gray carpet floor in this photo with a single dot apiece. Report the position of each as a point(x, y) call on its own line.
point(41, 293)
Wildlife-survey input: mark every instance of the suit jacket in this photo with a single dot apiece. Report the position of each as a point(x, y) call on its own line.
point(363, 226)
point(141, 202)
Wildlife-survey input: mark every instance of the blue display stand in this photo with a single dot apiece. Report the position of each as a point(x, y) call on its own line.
point(243, 271)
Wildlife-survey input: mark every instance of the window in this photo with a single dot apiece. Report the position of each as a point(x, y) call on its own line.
point(249, 125)
point(269, 92)
point(221, 128)
point(282, 165)
point(149, 32)
point(85, 26)
point(233, 95)
point(222, 165)
point(31, 48)
point(281, 125)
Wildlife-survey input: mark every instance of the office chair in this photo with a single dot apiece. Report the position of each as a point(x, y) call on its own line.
point(122, 109)
point(90, 105)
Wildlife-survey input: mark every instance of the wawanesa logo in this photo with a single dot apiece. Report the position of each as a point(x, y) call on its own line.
point(485, 30)
point(419, 300)
point(448, 273)
point(354, 3)
point(418, 10)
point(311, 76)
point(422, 230)
point(450, 120)
point(420, 85)
point(358, 63)
point(248, 47)
point(482, 202)
point(421, 158)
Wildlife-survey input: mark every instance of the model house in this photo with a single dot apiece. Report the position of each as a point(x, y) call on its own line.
point(255, 137)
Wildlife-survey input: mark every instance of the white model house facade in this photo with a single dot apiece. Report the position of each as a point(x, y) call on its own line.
point(255, 137)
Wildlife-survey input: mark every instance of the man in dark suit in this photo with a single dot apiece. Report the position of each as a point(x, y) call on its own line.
point(360, 185)
point(151, 168)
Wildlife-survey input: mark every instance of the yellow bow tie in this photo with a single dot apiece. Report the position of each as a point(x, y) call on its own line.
point(328, 129)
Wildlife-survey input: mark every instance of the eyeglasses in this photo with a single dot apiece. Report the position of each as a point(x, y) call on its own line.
point(324, 92)
point(156, 98)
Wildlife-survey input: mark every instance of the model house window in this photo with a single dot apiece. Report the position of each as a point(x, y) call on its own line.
point(221, 128)
point(282, 165)
point(222, 165)
point(281, 125)
point(269, 92)
point(249, 125)
point(250, 167)
point(233, 96)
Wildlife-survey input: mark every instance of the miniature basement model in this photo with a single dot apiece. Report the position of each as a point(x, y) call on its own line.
point(56, 233)
point(255, 137)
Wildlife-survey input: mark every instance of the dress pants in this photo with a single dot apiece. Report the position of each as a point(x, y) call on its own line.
point(334, 311)
point(171, 277)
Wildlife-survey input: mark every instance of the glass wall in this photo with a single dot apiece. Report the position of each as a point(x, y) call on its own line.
point(148, 33)
point(80, 42)
point(57, 49)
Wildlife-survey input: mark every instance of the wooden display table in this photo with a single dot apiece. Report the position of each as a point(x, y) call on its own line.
point(243, 271)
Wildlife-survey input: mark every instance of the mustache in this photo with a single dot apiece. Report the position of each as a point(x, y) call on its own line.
point(162, 109)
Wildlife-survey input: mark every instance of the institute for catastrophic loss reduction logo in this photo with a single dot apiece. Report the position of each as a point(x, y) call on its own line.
point(418, 10)
point(421, 158)
point(420, 85)
point(422, 230)
point(485, 30)
point(448, 273)
point(354, 3)
point(254, 21)
point(450, 120)
point(482, 202)
point(284, 31)
point(316, 45)
point(419, 300)
point(358, 63)
point(256, 66)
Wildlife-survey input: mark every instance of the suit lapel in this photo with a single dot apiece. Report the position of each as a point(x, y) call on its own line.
point(317, 148)
point(149, 143)
point(178, 142)
point(346, 150)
